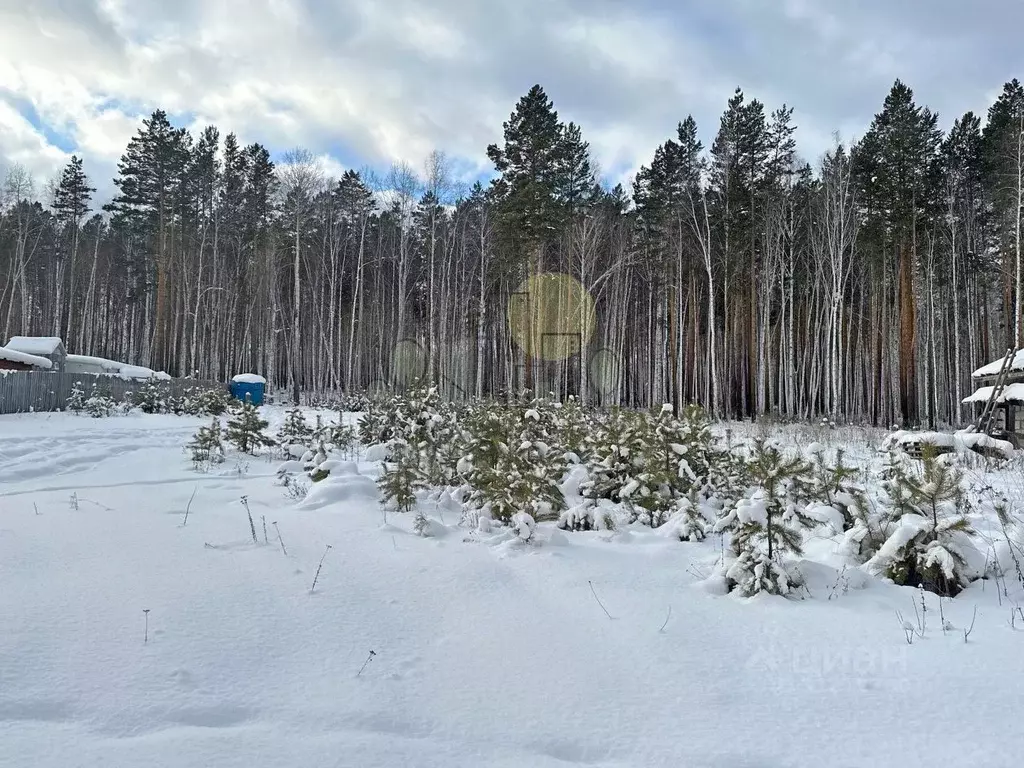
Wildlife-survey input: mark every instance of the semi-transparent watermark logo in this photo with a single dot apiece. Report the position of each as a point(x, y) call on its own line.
point(790, 663)
point(551, 319)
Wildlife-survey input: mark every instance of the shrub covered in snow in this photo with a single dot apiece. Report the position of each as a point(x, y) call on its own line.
point(651, 463)
point(353, 402)
point(152, 398)
point(127, 404)
point(99, 404)
point(315, 463)
point(931, 545)
point(339, 436)
point(374, 426)
point(688, 523)
point(586, 517)
point(943, 442)
point(510, 465)
point(833, 494)
point(207, 402)
point(874, 520)
point(76, 402)
point(524, 526)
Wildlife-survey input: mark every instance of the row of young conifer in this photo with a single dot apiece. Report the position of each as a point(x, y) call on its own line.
point(525, 460)
point(528, 460)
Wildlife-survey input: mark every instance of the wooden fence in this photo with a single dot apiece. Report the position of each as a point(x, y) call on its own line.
point(25, 391)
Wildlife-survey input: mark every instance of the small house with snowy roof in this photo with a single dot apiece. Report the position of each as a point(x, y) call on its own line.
point(48, 347)
point(1002, 383)
point(12, 360)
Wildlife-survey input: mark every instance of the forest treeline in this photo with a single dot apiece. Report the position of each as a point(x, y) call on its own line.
point(863, 288)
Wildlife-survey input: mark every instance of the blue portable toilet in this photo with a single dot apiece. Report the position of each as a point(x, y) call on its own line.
point(248, 386)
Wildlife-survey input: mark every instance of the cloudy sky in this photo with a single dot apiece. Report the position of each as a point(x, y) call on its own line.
point(367, 82)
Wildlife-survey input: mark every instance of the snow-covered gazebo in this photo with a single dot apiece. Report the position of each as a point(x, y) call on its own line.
point(1008, 412)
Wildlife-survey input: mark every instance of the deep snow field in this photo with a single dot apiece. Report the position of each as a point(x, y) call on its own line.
point(486, 654)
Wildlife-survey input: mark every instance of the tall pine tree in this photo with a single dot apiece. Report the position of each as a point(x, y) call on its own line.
point(1004, 173)
point(70, 205)
point(896, 165)
point(151, 176)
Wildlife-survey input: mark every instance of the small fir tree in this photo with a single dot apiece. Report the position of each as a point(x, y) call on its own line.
point(763, 525)
point(652, 463)
point(612, 461)
point(510, 466)
point(339, 436)
point(572, 425)
point(401, 477)
point(76, 402)
point(449, 445)
point(207, 445)
point(686, 449)
point(245, 430)
point(653, 493)
point(833, 484)
point(319, 428)
point(206, 402)
point(415, 418)
point(373, 426)
point(295, 429)
point(150, 398)
point(99, 404)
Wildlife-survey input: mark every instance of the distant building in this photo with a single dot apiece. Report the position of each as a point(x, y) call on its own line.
point(1008, 414)
point(12, 360)
point(28, 353)
point(103, 367)
point(49, 347)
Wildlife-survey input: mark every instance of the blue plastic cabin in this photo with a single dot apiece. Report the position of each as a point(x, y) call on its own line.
point(251, 390)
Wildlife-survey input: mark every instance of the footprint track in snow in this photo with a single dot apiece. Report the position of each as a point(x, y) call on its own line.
point(389, 724)
point(566, 751)
point(38, 710)
point(141, 723)
point(219, 716)
point(201, 480)
point(24, 457)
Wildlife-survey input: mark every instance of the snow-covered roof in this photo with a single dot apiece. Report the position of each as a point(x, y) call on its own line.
point(1013, 393)
point(114, 368)
point(992, 369)
point(141, 372)
point(22, 357)
point(35, 345)
point(249, 378)
point(109, 366)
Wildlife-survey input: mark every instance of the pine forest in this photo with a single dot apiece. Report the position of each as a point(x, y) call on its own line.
point(863, 286)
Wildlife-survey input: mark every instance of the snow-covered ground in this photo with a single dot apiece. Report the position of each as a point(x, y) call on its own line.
point(485, 654)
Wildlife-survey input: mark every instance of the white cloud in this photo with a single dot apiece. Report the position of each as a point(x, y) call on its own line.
point(23, 145)
point(368, 83)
